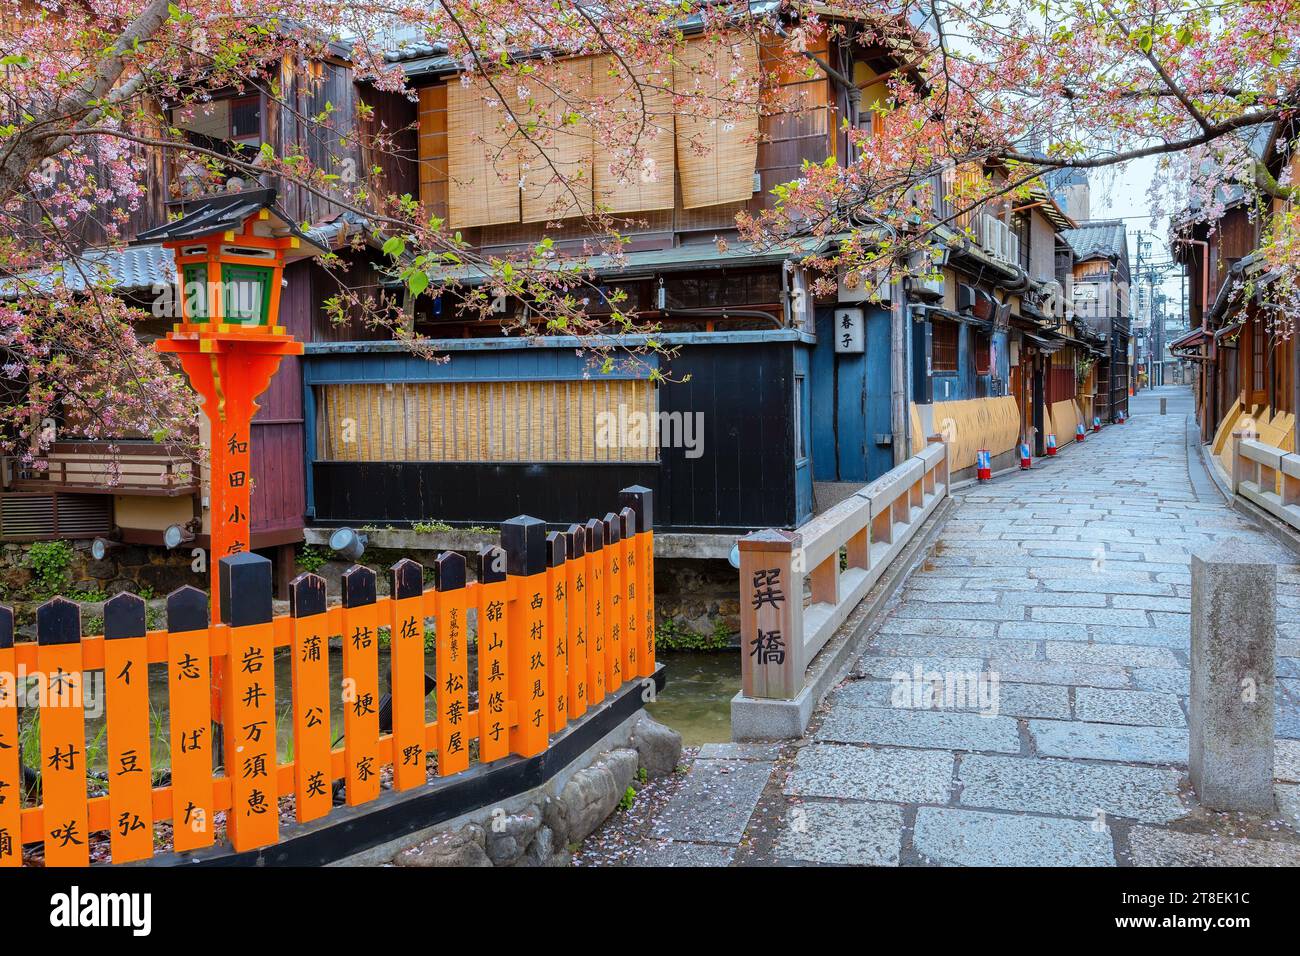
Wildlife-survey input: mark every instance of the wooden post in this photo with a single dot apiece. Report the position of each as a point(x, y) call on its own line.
point(63, 733)
point(452, 665)
point(631, 650)
point(11, 772)
point(250, 733)
point(557, 647)
point(130, 764)
point(524, 540)
point(771, 615)
point(309, 650)
point(406, 643)
point(617, 657)
point(1238, 463)
point(641, 500)
point(189, 674)
point(597, 646)
point(360, 685)
point(575, 563)
point(493, 660)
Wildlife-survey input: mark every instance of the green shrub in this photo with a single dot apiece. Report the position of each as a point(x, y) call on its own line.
point(310, 560)
point(674, 636)
point(49, 562)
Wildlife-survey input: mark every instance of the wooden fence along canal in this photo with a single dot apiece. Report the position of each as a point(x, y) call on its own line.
point(562, 620)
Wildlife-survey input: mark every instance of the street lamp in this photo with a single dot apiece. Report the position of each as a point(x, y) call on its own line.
point(230, 254)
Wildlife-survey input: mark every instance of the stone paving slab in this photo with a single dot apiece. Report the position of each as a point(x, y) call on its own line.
point(1040, 631)
point(715, 802)
point(682, 854)
point(1056, 672)
point(1288, 803)
point(971, 838)
point(856, 834)
point(885, 667)
point(1012, 700)
point(1077, 739)
point(939, 628)
point(1141, 708)
point(901, 776)
point(735, 751)
point(1286, 760)
point(1118, 655)
point(1070, 789)
point(1163, 680)
point(1151, 846)
point(915, 645)
point(1138, 637)
point(945, 730)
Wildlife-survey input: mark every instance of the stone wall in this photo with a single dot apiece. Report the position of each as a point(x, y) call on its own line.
point(540, 828)
point(133, 568)
point(702, 596)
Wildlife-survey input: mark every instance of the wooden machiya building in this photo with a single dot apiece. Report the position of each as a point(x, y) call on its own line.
point(1246, 361)
point(756, 405)
point(998, 355)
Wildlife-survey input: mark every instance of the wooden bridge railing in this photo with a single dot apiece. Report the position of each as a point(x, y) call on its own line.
point(562, 620)
point(1267, 476)
point(779, 634)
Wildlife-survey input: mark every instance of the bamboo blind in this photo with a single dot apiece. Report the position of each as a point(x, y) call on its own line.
point(643, 119)
point(486, 421)
point(717, 149)
point(432, 149)
point(556, 166)
point(483, 166)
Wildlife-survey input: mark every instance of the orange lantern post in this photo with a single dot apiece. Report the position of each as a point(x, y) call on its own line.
point(230, 254)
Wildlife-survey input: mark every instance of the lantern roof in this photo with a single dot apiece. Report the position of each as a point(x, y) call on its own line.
point(224, 213)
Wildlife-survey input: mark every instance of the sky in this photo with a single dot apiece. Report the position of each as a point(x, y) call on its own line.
point(1122, 194)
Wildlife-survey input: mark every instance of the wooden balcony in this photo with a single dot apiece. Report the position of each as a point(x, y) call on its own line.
point(110, 468)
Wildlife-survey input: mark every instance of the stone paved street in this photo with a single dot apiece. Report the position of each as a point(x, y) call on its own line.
point(1071, 583)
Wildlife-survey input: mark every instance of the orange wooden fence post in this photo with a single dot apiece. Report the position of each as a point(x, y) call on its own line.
point(11, 773)
point(557, 620)
point(616, 659)
point(524, 540)
point(493, 664)
point(251, 760)
point(597, 646)
point(406, 630)
point(309, 652)
point(63, 733)
point(189, 654)
point(452, 664)
point(360, 685)
point(627, 536)
point(641, 500)
point(130, 760)
point(576, 590)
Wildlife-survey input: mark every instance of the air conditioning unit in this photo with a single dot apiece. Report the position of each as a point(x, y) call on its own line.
point(997, 239)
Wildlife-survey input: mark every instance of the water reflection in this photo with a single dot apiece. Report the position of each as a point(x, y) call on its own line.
point(697, 700)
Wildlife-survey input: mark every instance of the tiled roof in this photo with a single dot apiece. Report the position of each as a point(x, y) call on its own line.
point(129, 269)
point(1107, 238)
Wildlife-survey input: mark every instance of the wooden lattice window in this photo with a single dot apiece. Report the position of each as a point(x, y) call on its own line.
point(943, 351)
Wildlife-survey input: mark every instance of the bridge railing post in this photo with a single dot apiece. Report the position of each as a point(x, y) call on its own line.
point(771, 614)
point(1238, 463)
